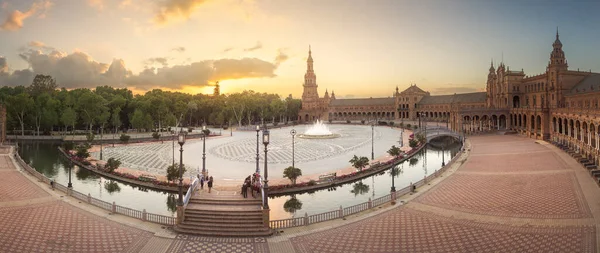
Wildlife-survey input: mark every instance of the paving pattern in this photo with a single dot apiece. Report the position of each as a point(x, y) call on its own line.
point(507, 181)
point(59, 227)
point(197, 244)
point(522, 195)
point(13, 186)
point(407, 230)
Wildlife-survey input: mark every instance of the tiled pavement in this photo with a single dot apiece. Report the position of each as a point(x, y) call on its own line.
point(510, 194)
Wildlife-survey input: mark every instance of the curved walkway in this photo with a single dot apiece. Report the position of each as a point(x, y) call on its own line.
point(507, 194)
point(510, 195)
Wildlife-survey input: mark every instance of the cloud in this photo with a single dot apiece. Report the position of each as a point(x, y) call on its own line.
point(281, 57)
point(255, 47)
point(40, 45)
point(170, 9)
point(455, 89)
point(15, 19)
point(78, 70)
point(227, 49)
point(179, 49)
point(157, 60)
point(98, 4)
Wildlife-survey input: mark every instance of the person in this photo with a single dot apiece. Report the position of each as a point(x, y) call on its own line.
point(245, 188)
point(201, 182)
point(210, 183)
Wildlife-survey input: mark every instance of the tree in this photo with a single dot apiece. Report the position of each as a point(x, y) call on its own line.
point(42, 84)
point(90, 106)
point(292, 173)
point(421, 138)
point(394, 151)
point(112, 164)
point(68, 118)
point(191, 107)
point(173, 172)
point(412, 143)
point(112, 186)
point(82, 152)
point(21, 105)
point(359, 162)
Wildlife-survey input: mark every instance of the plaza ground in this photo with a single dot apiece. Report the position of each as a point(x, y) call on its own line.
point(505, 194)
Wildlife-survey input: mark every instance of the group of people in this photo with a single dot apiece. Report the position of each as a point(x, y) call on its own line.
point(252, 182)
point(209, 182)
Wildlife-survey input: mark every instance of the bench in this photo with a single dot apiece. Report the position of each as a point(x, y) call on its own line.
point(327, 177)
point(147, 178)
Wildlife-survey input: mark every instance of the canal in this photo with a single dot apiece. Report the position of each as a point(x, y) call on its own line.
point(45, 158)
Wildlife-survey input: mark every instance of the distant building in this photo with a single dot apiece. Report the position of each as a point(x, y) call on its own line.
point(559, 105)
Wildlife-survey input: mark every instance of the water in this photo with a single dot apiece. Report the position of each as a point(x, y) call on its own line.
point(45, 158)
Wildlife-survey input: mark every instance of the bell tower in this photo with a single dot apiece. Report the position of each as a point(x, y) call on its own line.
point(310, 95)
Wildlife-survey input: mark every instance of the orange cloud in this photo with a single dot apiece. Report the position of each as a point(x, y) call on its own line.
point(98, 4)
point(15, 19)
point(176, 9)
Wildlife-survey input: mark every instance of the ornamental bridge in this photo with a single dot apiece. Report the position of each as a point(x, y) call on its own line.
point(436, 132)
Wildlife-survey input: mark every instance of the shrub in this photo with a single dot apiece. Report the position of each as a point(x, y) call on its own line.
point(206, 132)
point(112, 164)
point(412, 143)
point(362, 121)
point(173, 172)
point(391, 123)
point(155, 135)
point(124, 138)
point(311, 182)
point(190, 129)
point(275, 123)
point(408, 126)
point(68, 146)
point(348, 121)
point(330, 120)
point(82, 152)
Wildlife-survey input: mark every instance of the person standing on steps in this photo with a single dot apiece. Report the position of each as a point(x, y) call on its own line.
point(210, 183)
point(201, 182)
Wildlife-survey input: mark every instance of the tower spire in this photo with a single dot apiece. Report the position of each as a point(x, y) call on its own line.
point(557, 32)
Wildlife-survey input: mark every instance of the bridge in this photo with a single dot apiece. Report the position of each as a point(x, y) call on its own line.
point(435, 132)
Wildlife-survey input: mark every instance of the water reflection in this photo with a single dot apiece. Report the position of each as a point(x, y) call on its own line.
point(172, 202)
point(359, 188)
point(112, 186)
point(292, 205)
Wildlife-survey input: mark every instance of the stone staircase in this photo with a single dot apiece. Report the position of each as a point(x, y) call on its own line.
point(224, 214)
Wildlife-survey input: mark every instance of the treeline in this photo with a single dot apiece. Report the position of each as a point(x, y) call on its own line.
point(42, 108)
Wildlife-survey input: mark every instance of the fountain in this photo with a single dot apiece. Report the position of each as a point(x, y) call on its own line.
point(318, 131)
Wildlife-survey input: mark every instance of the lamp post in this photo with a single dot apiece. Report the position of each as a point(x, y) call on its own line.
point(372, 141)
point(257, 158)
point(70, 185)
point(266, 185)
point(181, 141)
point(204, 150)
point(101, 135)
point(173, 141)
point(293, 133)
point(393, 190)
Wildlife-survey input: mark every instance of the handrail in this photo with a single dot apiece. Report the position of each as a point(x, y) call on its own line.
point(190, 191)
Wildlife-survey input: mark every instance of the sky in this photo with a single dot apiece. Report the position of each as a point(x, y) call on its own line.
point(361, 48)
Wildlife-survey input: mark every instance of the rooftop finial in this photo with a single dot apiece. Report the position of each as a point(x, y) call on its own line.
point(557, 32)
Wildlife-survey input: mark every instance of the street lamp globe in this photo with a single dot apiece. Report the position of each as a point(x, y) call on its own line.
point(266, 136)
point(181, 138)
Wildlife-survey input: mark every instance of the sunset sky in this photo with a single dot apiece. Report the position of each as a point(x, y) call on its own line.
point(360, 48)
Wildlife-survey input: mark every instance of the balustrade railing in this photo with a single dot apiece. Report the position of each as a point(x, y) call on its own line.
point(112, 207)
point(190, 191)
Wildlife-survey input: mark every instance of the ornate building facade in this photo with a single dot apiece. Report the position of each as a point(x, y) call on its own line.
point(560, 105)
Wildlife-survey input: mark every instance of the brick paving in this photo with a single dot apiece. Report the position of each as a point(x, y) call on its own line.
point(13, 186)
point(58, 227)
point(406, 230)
point(523, 195)
point(506, 184)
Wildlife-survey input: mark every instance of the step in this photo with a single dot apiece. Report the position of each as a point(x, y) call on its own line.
point(223, 217)
point(233, 219)
point(242, 225)
point(226, 202)
point(221, 229)
point(224, 234)
point(224, 212)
